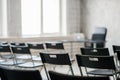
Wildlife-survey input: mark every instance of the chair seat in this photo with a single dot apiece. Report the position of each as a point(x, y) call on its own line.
point(23, 57)
point(10, 62)
point(20, 56)
point(37, 58)
point(30, 64)
point(102, 72)
point(2, 60)
point(72, 59)
point(7, 56)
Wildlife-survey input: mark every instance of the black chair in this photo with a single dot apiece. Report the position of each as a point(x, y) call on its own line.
point(118, 78)
point(4, 43)
point(99, 35)
point(116, 49)
point(21, 74)
point(35, 49)
point(56, 59)
point(5, 51)
point(7, 57)
point(95, 52)
point(25, 56)
point(35, 45)
point(118, 57)
point(61, 76)
point(54, 46)
point(2, 73)
point(103, 65)
point(17, 44)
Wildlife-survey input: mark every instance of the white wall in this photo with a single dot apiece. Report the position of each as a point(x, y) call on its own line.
point(73, 16)
point(0, 16)
point(102, 13)
point(14, 17)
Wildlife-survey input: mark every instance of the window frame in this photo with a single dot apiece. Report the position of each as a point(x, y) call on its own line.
point(41, 26)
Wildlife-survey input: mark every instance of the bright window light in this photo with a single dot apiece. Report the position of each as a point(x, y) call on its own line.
point(42, 19)
point(31, 17)
point(51, 16)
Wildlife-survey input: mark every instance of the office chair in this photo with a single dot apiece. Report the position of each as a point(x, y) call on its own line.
point(55, 59)
point(99, 36)
point(60, 76)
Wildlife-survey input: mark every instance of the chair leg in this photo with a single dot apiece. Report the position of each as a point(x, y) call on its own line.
point(80, 71)
point(114, 78)
point(71, 70)
point(33, 63)
point(86, 71)
point(54, 67)
point(46, 72)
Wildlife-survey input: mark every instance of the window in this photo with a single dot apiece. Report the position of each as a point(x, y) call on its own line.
point(31, 19)
point(51, 16)
point(41, 17)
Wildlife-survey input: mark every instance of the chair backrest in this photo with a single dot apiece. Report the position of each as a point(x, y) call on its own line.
point(55, 59)
point(97, 51)
point(116, 48)
point(61, 76)
point(99, 37)
point(2, 74)
point(6, 55)
point(58, 58)
point(22, 74)
point(118, 78)
point(17, 44)
point(35, 46)
point(100, 30)
point(5, 48)
point(4, 43)
point(101, 62)
point(118, 55)
point(20, 50)
point(99, 34)
point(54, 45)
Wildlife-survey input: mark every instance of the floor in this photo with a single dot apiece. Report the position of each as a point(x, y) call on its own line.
point(61, 69)
point(65, 69)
